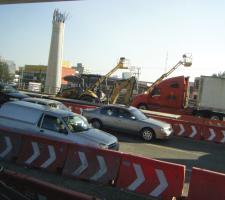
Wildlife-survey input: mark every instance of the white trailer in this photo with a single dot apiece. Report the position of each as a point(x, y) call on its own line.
point(210, 97)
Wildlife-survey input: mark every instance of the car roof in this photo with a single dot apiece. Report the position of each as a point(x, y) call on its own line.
point(119, 106)
point(43, 108)
point(41, 100)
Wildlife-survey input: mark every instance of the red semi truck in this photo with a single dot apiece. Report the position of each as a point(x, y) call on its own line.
point(172, 96)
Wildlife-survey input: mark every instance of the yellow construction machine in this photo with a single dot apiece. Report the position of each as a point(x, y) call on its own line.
point(123, 86)
point(92, 93)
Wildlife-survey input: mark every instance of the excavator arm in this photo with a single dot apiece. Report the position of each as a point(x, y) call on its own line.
point(90, 91)
point(127, 84)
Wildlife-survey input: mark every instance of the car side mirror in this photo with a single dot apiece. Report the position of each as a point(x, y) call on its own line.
point(133, 117)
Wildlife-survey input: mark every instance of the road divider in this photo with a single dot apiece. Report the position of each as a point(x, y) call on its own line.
point(92, 164)
point(206, 185)
point(133, 173)
point(195, 128)
point(9, 144)
point(42, 153)
point(151, 177)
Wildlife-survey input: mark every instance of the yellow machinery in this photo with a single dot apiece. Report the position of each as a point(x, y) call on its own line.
point(186, 62)
point(128, 85)
point(90, 93)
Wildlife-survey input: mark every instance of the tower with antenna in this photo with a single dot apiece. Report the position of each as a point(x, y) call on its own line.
point(54, 70)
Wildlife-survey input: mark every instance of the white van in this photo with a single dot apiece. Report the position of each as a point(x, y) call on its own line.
point(53, 123)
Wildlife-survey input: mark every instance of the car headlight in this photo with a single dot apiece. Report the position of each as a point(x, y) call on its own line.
point(103, 146)
point(167, 130)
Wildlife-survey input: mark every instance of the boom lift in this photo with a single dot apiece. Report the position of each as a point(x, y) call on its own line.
point(186, 62)
point(127, 84)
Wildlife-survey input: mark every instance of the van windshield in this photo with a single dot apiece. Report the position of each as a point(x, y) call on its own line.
point(76, 123)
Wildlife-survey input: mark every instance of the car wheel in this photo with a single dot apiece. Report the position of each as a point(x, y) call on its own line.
point(147, 134)
point(143, 107)
point(96, 123)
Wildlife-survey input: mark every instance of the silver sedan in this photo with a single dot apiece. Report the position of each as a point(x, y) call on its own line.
point(129, 120)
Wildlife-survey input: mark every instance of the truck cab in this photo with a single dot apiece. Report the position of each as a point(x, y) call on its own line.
point(170, 93)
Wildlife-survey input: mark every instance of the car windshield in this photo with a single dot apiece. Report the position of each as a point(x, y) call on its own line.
point(58, 106)
point(76, 123)
point(8, 89)
point(138, 114)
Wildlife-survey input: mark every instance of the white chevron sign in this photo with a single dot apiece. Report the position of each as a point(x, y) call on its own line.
point(52, 157)
point(194, 131)
point(102, 169)
point(163, 184)
point(84, 165)
point(139, 180)
point(223, 139)
point(181, 129)
point(36, 154)
point(212, 134)
point(8, 147)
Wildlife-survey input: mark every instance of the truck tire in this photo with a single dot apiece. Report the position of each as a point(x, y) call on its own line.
point(143, 107)
point(215, 117)
point(147, 134)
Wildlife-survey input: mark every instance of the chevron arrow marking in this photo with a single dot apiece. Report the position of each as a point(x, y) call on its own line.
point(52, 157)
point(35, 154)
point(83, 166)
point(162, 186)
point(181, 129)
point(212, 134)
point(102, 169)
point(223, 140)
point(194, 131)
point(139, 180)
point(8, 147)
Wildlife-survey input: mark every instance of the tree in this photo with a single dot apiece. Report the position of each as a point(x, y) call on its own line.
point(4, 73)
point(220, 75)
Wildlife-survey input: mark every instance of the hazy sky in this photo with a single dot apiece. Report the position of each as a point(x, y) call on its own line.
point(152, 34)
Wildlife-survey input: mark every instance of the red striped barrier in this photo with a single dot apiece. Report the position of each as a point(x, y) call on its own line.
point(198, 129)
point(9, 144)
point(206, 185)
point(36, 189)
point(92, 164)
point(151, 177)
point(214, 133)
point(42, 153)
